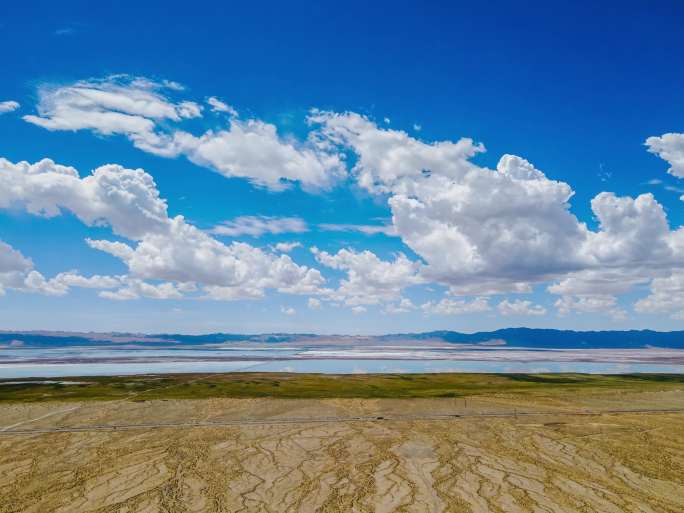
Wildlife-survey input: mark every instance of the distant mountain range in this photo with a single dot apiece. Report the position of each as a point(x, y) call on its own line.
point(508, 337)
point(558, 339)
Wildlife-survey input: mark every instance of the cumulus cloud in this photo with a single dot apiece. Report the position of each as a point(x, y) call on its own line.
point(125, 199)
point(253, 149)
point(75, 279)
point(356, 310)
point(185, 254)
point(470, 224)
point(669, 147)
point(666, 297)
point(256, 226)
point(36, 282)
point(604, 281)
point(634, 245)
point(12, 260)
point(8, 106)
point(17, 273)
point(476, 230)
point(403, 306)
point(163, 249)
point(143, 111)
point(633, 231)
point(386, 156)
point(127, 287)
point(519, 307)
point(286, 247)
point(314, 303)
point(487, 231)
point(14, 267)
point(134, 289)
point(369, 279)
point(598, 304)
point(449, 306)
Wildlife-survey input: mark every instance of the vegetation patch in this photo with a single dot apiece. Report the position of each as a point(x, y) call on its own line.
point(307, 386)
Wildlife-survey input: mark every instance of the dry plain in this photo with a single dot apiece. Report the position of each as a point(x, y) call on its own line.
point(615, 449)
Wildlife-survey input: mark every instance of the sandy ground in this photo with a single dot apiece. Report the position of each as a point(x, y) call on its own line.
point(547, 463)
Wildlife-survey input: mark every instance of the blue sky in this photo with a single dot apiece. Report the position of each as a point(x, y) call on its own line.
point(338, 128)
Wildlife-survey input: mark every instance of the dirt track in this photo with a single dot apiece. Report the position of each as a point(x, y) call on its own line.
point(627, 462)
point(14, 429)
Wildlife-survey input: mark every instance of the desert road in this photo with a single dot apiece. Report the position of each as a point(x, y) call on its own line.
point(325, 420)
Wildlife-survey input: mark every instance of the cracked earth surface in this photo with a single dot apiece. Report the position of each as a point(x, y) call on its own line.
point(551, 463)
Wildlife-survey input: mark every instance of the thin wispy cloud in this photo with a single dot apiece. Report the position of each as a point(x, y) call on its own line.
point(64, 31)
point(367, 229)
point(8, 106)
point(256, 226)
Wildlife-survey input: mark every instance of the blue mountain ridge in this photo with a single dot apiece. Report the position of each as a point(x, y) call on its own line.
point(507, 337)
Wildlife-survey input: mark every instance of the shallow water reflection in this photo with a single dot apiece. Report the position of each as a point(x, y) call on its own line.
point(327, 366)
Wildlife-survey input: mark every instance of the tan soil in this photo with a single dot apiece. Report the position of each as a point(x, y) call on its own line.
point(551, 463)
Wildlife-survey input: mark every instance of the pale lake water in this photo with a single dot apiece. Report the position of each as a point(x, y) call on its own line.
point(94, 361)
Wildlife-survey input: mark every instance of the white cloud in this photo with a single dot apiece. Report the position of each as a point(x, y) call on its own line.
point(519, 307)
point(286, 247)
point(14, 267)
point(165, 249)
point(448, 306)
point(506, 226)
point(75, 279)
point(135, 289)
point(669, 147)
point(219, 106)
point(117, 249)
point(12, 260)
point(369, 280)
point(417, 127)
point(142, 110)
point(314, 303)
point(36, 282)
point(253, 149)
point(603, 281)
point(486, 231)
point(387, 156)
point(476, 230)
point(367, 229)
point(356, 310)
point(256, 226)
point(673, 188)
point(288, 310)
point(118, 104)
point(8, 106)
point(489, 287)
point(598, 304)
point(17, 273)
point(125, 199)
point(634, 245)
point(666, 296)
point(186, 254)
point(403, 306)
point(633, 231)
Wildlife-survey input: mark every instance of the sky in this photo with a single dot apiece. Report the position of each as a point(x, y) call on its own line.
point(341, 168)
